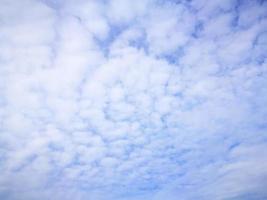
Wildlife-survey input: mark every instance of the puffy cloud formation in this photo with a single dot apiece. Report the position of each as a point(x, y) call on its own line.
point(133, 99)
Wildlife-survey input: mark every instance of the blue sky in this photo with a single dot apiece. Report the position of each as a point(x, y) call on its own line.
point(133, 100)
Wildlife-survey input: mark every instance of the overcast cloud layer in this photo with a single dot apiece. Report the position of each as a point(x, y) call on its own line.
point(133, 100)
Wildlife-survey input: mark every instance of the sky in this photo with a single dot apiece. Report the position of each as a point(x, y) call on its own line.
point(133, 99)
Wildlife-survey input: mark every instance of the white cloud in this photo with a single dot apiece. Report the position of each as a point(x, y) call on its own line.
point(132, 100)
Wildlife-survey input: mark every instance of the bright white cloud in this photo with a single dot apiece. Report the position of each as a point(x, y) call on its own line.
point(133, 100)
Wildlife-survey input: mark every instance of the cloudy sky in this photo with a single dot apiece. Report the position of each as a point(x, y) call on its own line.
point(133, 99)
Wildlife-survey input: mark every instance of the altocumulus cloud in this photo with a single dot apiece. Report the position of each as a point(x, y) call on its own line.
point(133, 100)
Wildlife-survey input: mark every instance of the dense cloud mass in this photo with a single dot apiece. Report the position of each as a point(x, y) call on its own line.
point(133, 100)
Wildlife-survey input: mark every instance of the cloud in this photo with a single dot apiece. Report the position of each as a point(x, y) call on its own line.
point(133, 100)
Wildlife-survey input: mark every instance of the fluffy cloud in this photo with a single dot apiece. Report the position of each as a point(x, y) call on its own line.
point(133, 100)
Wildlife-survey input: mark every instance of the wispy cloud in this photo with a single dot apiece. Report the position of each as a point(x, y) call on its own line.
point(133, 100)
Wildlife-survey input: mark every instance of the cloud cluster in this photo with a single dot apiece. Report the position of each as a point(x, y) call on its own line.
point(122, 99)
